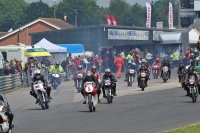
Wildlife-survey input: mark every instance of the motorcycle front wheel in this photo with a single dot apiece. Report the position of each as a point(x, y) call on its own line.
point(42, 104)
point(193, 95)
point(90, 102)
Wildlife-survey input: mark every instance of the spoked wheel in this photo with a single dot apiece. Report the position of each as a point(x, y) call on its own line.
point(193, 96)
point(108, 96)
point(42, 104)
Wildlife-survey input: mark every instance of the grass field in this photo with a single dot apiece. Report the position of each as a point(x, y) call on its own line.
point(188, 129)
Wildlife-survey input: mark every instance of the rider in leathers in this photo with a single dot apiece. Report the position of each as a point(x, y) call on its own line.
point(113, 80)
point(179, 70)
point(8, 112)
point(143, 67)
point(89, 77)
point(190, 73)
point(38, 76)
point(97, 75)
point(165, 62)
point(131, 66)
point(79, 70)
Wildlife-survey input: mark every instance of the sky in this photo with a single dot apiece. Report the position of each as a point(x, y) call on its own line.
point(104, 3)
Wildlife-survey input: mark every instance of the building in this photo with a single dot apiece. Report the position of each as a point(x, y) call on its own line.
point(22, 34)
point(118, 37)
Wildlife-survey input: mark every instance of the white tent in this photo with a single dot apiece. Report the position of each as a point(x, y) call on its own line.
point(59, 53)
point(52, 48)
point(193, 36)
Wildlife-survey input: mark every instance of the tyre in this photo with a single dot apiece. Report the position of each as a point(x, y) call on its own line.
point(94, 109)
point(90, 102)
point(42, 104)
point(193, 95)
point(9, 131)
point(131, 79)
point(108, 96)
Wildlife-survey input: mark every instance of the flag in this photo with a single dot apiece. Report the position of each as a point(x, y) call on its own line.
point(170, 16)
point(114, 21)
point(65, 18)
point(133, 25)
point(108, 20)
point(148, 22)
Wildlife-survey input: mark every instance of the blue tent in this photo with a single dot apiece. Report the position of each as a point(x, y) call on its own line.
point(73, 48)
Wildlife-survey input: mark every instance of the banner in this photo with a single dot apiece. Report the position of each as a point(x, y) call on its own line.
point(114, 21)
point(170, 16)
point(108, 20)
point(148, 22)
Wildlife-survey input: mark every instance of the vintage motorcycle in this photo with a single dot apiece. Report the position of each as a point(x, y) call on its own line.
point(79, 81)
point(4, 121)
point(142, 83)
point(131, 77)
point(155, 71)
point(91, 96)
point(165, 74)
point(107, 84)
point(55, 80)
point(41, 94)
point(193, 88)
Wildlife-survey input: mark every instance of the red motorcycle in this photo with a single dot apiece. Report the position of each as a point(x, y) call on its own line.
point(155, 70)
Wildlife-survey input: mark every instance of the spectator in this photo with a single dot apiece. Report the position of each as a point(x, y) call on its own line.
point(8, 71)
point(106, 60)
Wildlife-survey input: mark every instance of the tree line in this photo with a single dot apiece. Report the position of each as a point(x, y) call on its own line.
point(15, 13)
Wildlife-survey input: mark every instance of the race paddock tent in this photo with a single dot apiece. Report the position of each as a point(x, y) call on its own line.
point(59, 53)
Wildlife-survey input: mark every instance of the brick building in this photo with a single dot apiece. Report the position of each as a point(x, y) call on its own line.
point(22, 34)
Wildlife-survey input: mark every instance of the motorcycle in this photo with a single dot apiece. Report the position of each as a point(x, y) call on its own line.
point(131, 77)
point(142, 80)
point(108, 90)
point(41, 94)
point(183, 77)
point(79, 80)
point(91, 96)
point(55, 80)
point(165, 75)
point(4, 121)
point(193, 89)
point(155, 70)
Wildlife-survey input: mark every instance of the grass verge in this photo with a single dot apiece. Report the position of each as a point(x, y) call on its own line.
point(188, 129)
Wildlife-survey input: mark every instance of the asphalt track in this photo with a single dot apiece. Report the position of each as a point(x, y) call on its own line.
point(162, 106)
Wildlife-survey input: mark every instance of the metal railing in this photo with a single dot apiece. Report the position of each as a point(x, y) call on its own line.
point(10, 82)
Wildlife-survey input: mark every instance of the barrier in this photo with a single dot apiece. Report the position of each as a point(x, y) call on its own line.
point(10, 82)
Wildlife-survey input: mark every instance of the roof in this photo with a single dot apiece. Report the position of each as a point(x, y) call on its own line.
point(195, 25)
point(3, 33)
point(55, 23)
point(193, 36)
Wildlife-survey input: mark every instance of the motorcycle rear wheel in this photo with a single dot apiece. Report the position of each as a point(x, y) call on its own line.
point(90, 103)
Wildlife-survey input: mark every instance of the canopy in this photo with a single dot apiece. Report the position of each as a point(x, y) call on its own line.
point(170, 37)
point(193, 36)
point(52, 48)
point(73, 48)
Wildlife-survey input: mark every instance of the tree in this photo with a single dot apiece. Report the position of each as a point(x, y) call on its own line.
point(36, 10)
point(11, 13)
point(89, 12)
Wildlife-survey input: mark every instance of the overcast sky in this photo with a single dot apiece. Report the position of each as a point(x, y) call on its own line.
point(104, 3)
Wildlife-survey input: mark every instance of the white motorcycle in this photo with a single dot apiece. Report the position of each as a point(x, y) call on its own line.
point(41, 94)
point(91, 96)
point(55, 80)
point(4, 121)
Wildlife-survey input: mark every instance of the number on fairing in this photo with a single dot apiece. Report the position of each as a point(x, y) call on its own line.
point(89, 89)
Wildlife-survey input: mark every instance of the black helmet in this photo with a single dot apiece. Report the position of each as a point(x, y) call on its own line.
point(191, 69)
point(93, 68)
point(133, 65)
point(79, 67)
point(89, 75)
point(181, 64)
point(130, 53)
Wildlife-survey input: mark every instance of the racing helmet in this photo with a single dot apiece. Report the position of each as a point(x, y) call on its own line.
point(107, 71)
point(94, 69)
point(79, 67)
point(157, 60)
point(57, 64)
point(37, 73)
point(89, 75)
point(191, 70)
point(133, 65)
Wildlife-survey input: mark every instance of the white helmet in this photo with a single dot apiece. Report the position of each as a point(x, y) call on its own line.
point(143, 60)
point(37, 73)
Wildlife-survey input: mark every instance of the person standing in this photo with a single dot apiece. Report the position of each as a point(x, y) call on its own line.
point(119, 63)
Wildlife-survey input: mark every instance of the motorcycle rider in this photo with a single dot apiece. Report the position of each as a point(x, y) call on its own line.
point(165, 62)
point(56, 68)
point(192, 60)
point(179, 70)
point(143, 67)
point(157, 62)
point(79, 70)
point(108, 74)
point(130, 59)
point(39, 76)
point(8, 112)
point(89, 77)
point(132, 66)
point(97, 75)
point(190, 73)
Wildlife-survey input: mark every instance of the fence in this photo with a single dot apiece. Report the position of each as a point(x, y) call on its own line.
point(10, 82)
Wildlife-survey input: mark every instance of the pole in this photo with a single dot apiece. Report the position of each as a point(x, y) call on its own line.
point(178, 14)
point(54, 9)
point(26, 36)
point(75, 20)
